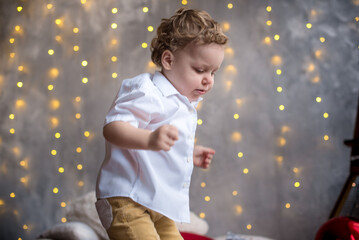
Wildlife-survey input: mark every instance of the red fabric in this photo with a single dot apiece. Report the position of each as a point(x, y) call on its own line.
point(192, 236)
point(339, 228)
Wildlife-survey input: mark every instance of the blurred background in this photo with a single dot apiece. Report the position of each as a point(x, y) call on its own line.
point(283, 102)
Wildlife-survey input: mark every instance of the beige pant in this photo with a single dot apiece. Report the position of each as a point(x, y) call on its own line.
point(125, 219)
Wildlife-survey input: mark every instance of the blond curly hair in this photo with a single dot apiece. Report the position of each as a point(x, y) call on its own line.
point(184, 27)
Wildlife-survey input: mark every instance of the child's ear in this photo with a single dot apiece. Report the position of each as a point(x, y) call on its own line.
point(167, 59)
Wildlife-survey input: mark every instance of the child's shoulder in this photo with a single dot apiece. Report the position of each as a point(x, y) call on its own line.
point(141, 81)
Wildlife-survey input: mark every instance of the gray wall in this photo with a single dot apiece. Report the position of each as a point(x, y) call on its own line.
point(273, 142)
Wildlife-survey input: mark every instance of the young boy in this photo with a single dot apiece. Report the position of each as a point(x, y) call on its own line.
point(143, 183)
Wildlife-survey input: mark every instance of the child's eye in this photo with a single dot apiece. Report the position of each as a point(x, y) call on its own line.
point(198, 70)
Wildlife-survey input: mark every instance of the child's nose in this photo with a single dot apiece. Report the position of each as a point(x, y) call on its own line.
point(208, 79)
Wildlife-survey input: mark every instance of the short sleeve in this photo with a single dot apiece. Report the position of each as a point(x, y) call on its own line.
point(136, 103)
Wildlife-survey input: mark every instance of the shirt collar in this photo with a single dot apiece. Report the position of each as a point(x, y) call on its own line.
point(167, 89)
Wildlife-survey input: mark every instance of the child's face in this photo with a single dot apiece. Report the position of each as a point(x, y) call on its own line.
point(191, 69)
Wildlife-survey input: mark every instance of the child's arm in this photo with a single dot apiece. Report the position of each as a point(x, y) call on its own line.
point(202, 156)
point(124, 135)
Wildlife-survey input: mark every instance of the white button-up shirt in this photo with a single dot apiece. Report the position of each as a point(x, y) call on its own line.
point(158, 180)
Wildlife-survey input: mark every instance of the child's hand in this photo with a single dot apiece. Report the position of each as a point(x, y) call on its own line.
point(202, 156)
point(163, 138)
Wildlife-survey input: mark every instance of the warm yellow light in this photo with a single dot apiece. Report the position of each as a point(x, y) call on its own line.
point(144, 45)
point(63, 204)
point(238, 209)
point(279, 159)
point(20, 68)
point(19, 8)
point(25, 227)
point(322, 39)
point(281, 141)
point(85, 80)
point(78, 99)
point(207, 198)
point(226, 26)
point(78, 149)
point(79, 166)
point(316, 79)
point(295, 170)
point(281, 107)
point(54, 122)
point(357, 18)
point(51, 52)
point(202, 215)
point(184, 2)
point(230, 69)
point(114, 41)
point(150, 28)
point(311, 67)
point(234, 193)
point(279, 72)
point(326, 137)
point(229, 51)
point(245, 171)
point(50, 87)
point(114, 75)
point(249, 227)
point(76, 48)
point(53, 73)
point(61, 170)
point(114, 25)
point(145, 9)
point(269, 23)
point(114, 10)
point(12, 131)
point(309, 25)
point(269, 8)
point(240, 154)
point(230, 5)
point(49, 6)
point(83, 2)
point(55, 190)
point(86, 133)
point(19, 84)
point(75, 30)
point(12, 195)
point(203, 184)
point(24, 163)
point(12, 116)
point(285, 129)
point(267, 40)
point(236, 116)
point(279, 89)
point(2, 203)
point(276, 60)
point(58, 38)
point(199, 121)
point(54, 104)
point(318, 54)
point(236, 136)
point(77, 115)
point(63, 220)
point(84, 63)
point(57, 135)
point(287, 205)
point(325, 115)
point(114, 59)
point(17, 28)
point(276, 37)
point(297, 184)
point(53, 152)
point(318, 99)
point(81, 183)
point(12, 55)
point(20, 103)
point(58, 21)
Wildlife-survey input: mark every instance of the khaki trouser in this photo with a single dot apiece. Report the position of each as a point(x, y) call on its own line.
point(125, 219)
